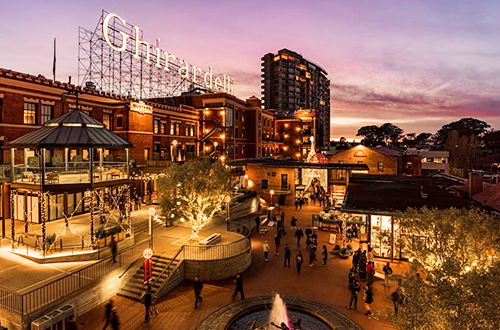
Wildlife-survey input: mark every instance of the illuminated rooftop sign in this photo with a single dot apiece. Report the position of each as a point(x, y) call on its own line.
point(116, 59)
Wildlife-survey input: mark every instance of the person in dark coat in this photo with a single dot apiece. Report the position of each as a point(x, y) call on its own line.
point(298, 234)
point(324, 255)
point(198, 286)
point(239, 287)
point(115, 322)
point(277, 243)
point(355, 259)
point(257, 223)
point(288, 255)
point(362, 266)
point(299, 259)
point(109, 307)
point(354, 287)
point(368, 299)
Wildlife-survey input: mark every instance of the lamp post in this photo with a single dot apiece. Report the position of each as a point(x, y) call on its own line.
point(271, 193)
point(227, 200)
point(151, 213)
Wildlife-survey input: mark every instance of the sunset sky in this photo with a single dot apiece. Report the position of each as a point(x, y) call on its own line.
point(417, 64)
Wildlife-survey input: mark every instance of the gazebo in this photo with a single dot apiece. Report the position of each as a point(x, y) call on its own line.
point(66, 167)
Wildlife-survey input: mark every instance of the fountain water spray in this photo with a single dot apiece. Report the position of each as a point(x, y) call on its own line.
point(278, 313)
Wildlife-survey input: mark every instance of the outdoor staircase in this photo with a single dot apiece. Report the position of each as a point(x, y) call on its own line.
point(136, 287)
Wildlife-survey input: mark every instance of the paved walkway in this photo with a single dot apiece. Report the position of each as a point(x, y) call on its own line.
point(326, 285)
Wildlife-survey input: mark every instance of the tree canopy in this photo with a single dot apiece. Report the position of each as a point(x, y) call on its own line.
point(194, 192)
point(464, 127)
point(380, 135)
point(454, 279)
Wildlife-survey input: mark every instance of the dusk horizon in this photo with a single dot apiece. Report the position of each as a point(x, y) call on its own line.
point(418, 65)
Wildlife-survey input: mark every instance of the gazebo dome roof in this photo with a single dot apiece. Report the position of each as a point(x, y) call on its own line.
point(74, 129)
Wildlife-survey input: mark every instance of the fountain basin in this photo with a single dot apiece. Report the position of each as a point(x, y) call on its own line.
point(241, 314)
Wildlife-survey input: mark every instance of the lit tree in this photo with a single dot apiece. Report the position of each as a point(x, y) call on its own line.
point(194, 192)
point(454, 281)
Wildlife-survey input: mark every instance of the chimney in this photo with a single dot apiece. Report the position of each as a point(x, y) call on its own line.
point(475, 183)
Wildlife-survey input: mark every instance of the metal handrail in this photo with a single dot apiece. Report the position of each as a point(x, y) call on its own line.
point(34, 299)
point(167, 266)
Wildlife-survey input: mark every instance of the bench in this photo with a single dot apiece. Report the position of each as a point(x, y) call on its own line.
point(211, 240)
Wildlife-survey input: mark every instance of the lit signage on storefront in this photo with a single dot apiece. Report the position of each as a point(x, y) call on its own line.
point(141, 107)
point(160, 58)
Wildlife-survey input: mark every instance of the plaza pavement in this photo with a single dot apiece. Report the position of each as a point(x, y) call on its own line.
point(326, 285)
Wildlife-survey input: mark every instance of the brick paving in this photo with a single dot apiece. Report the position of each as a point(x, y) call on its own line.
point(325, 285)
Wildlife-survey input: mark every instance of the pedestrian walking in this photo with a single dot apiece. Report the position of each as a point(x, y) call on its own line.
point(324, 255)
point(277, 243)
point(352, 275)
point(387, 275)
point(371, 254)
point(308, 231)
point(354, 287)
point(147, 300)
point(396, 300)
point(355, 259)
point(257, 223)
point(239, 287)
point(312, 254)
point(301, 202)
point(368, 299)
point(108, 308)
point(115, 322)
point(296, 203)
point(362, 266)
point(198, 286)
point(288, 255)
point(266, 248)
point(114, 248)
point(370, 272)
point(299, 234)
point(293, 223)
point(299, 259)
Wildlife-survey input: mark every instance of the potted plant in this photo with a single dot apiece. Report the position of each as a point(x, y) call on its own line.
point(336, 249)
point(49, 243)
point(344, 253)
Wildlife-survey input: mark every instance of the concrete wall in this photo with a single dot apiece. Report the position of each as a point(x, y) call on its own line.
point(212, 270)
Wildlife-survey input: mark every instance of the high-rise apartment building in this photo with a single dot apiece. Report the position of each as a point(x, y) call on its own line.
point(290, 82)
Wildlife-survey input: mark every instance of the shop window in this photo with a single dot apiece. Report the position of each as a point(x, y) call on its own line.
point(47, 113)
point(106, 120)
point(119, 121)
point(156, 126)
point(30, 113)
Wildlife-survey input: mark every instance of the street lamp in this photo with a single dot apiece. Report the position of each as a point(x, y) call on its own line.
point(151, 213)
point(227, 200)
point(271, 193)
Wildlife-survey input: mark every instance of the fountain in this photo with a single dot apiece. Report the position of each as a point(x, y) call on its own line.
point(273, 313)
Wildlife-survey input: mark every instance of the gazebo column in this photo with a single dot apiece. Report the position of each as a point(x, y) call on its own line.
point(13, 194)
point(66, 152)
point(128, 211)
point(43, 218)
point(12, 163)
point(91, 218)
point(128, 165)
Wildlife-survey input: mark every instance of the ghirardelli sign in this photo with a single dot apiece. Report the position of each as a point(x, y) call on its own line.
point(161, 59)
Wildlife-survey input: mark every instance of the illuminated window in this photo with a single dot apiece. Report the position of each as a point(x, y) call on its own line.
point(380, 166)
point(106, 120)
point(243, 132)
point(177, 128)
point(119, 121)
point(163, 128)
point(156, 126)
point(47, 113)
point(172, 128)
point(30, 113)
point(191, 131)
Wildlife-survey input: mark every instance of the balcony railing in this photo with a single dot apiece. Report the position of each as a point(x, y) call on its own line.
point(75, 172)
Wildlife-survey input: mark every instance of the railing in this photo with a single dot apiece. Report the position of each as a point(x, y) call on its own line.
point(167, 267)
point(35, 299)
point(214, 252)
point(75, 172)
